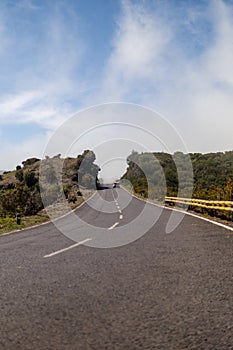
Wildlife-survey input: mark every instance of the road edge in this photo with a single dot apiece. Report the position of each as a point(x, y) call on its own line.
point(181, 211)
point(49, 220)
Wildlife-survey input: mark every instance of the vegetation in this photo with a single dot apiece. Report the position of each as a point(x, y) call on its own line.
point(20, 190)
point(155, 175)
point(87, 170)
point(9, 223)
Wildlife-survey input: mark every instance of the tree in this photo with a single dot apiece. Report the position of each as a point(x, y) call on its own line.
point(30, 179)
point(30, 161)
point(87, 170)
point(228, 190)
point(19, 175)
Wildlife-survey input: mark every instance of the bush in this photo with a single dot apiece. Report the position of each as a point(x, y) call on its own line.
point(19, 175)
point(30, 161)
point(30, 179)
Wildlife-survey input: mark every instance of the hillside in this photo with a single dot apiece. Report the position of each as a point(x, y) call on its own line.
point(21, 189)
point(212, 174)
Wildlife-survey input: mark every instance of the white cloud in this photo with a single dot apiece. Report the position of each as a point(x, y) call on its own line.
point(10, 105)
point(140, 42)
point(175, 58)
point(32, 147)
point(41, 78)
point(180, 64)
point(42, 87)
point(219, 57)
point(32, 107)
point(206, 113)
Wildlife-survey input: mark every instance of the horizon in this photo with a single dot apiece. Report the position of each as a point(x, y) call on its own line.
point(95, 162)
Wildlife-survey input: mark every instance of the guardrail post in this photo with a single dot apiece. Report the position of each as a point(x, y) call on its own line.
point(18, 219)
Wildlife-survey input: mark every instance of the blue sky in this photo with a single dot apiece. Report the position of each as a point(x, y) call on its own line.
point(58, 57)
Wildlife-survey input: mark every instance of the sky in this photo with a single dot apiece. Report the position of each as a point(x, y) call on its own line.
point(60, 57)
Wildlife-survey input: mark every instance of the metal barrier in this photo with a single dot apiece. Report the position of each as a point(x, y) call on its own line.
point(218, 205)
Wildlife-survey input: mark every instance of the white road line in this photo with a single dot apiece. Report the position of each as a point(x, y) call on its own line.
point(182, 211)
point(113, 226)
point(121, 217)
point(68, 248)
point(119, 211)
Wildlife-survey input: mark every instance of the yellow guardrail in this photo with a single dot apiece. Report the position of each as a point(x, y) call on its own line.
point(218, 205)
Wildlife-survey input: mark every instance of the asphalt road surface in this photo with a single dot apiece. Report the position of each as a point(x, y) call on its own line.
point(160, 291)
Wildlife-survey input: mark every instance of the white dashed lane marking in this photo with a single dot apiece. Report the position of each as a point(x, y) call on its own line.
point(67, 248)
point(113, 226)
point(119, 211)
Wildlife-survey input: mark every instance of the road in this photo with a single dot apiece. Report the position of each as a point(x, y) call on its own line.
point(160, 291)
